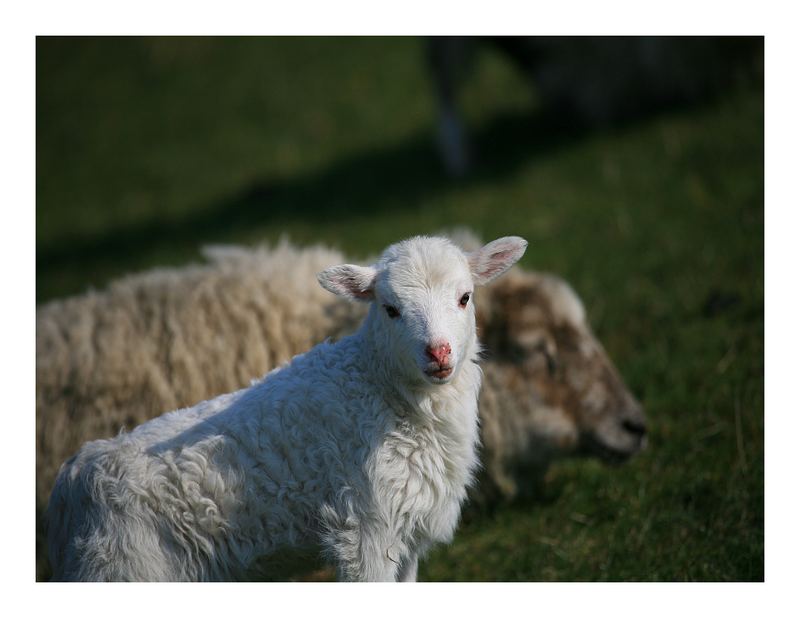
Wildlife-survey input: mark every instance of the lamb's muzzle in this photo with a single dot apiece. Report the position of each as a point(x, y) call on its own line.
point(439, 352)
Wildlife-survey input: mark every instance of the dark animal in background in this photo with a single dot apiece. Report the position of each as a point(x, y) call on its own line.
point(589, 81)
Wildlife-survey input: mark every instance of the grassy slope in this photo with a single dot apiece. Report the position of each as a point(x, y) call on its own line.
point(148, 149)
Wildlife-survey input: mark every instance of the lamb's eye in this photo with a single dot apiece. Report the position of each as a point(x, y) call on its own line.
point(464, 300)
point(391, 311)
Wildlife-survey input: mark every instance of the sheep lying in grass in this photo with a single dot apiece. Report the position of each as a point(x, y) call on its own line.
point(549, 387)
point(169, 338)
point(172, 337)
point(363, 447)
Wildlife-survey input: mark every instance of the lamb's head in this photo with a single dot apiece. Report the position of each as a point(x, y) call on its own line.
point(536, 324)
point(422, 319)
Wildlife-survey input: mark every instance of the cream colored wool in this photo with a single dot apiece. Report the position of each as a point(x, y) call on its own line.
point(170, 338)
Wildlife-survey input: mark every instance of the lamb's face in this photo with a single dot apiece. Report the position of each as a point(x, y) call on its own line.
point(424, 305)
point(537, 326)
point(422, 319)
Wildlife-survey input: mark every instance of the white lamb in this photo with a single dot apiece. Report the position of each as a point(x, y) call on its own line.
point(363, 448)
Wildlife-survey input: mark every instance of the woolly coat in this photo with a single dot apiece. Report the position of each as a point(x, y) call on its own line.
point(328, 452)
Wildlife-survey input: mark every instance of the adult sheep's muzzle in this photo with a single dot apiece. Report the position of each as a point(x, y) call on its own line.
point(619, 437)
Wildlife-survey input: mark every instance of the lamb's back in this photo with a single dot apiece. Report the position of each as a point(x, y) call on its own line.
point(244, 474)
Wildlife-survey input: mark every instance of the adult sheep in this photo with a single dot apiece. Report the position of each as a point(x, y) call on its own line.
point(550, 390)
point(168, 338)
point(363, 448)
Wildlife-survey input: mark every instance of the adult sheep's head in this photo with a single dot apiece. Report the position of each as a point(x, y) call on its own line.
point(557, 372)
point(422, 319)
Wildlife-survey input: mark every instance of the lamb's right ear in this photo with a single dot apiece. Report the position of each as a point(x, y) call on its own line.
point(349, 281)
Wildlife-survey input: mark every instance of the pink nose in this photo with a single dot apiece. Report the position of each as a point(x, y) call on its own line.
point(439, 352)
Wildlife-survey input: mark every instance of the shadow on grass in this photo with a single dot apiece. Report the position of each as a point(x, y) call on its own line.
point(363, 183)
point(537, 492)
point(357, 185)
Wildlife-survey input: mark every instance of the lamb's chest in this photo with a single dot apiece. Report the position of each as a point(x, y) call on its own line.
point(420, 484)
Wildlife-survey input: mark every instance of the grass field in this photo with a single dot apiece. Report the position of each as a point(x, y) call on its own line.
point(148, 149)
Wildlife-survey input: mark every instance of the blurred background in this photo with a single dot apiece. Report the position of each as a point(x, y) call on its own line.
point(634, 167)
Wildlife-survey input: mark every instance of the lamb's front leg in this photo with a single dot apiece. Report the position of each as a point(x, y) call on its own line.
point(361, 556)
point(370, 565)
point(408, 568)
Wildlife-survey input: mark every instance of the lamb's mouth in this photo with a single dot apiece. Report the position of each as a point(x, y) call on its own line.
point(440, 373)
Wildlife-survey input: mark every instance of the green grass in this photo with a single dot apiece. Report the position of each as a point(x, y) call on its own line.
point(147, 149)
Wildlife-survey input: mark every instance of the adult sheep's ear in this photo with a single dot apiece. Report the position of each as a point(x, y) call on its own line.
point(494, 259)
point(349, 281)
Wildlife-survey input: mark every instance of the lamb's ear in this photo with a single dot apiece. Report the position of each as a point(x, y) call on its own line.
point(494, 259)
point(354, 282)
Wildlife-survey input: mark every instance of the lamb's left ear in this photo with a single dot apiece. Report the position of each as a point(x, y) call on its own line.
point(353, 282)
point(494, 259)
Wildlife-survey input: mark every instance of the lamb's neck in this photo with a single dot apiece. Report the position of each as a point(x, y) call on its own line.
point(444, 416)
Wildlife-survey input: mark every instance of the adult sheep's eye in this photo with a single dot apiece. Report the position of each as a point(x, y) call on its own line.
point(552, 364)
point(391, 311)
point(550, 359)
point(464, 300)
